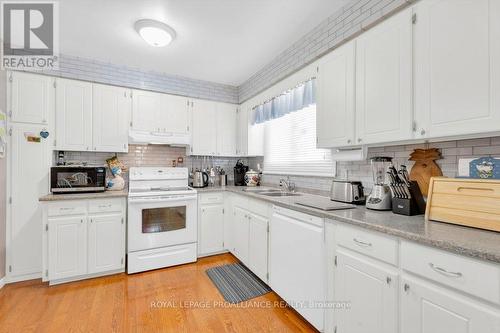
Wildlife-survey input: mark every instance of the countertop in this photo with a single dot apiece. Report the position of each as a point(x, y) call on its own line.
point(476, 243)
point(80, 196)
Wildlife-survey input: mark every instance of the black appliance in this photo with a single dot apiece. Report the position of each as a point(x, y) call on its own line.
point(77, 179)
point(240, 170)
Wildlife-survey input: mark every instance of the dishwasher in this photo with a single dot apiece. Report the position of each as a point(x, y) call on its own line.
point(297, 262)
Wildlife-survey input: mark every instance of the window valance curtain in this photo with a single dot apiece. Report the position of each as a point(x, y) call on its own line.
point(292, 100)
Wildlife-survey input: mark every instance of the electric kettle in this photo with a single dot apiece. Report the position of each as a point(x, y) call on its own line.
point(200, 179)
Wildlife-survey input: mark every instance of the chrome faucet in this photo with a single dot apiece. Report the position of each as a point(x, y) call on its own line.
point(286, 185)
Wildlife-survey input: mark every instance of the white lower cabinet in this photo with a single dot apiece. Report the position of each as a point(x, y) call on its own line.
point(429, 308)
point(67, 237)
point(371, 288)
point(211, 229)
point(83, 240)
point(407, 287)
point(105, 249)
point(258, 245)
point(240, 234)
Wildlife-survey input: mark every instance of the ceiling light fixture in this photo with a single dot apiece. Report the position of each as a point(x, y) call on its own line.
point(155, 33)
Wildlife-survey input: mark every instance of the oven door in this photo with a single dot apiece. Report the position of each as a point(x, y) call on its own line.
point(155, 222)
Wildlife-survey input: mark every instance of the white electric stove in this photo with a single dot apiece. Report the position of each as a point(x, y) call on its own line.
point(162, 218)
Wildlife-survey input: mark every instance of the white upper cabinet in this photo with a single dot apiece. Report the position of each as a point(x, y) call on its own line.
point(255, 136)
point(32, 97)
point(226, 129)
point(145, 108)
point(204, 128)
point(335, 121)
point(73, 115)
point(384, 81)
point(214, 128)
point(110, 118)
point(457, 57)
point(174, 115)
point(241, 131)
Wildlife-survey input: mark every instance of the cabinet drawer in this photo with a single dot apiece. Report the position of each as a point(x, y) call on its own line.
point(369, 243)
point(211, 198)
point(70, 207)
point(259, 207)
point(465, 274)
point(238, 200)
point(105, 205)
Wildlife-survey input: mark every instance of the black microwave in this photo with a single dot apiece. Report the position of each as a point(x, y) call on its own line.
point(77, 179)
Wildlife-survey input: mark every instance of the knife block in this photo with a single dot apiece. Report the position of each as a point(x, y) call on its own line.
point(409, 207)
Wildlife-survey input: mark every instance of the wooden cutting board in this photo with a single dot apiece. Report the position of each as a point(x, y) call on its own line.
point(425, 167)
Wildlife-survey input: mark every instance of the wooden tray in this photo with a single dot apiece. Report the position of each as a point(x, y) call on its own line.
point(469, 202)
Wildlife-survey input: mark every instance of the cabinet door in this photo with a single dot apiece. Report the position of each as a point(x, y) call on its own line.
point(111, 108)
point(258, 245)
point(335, 120)
point(73, 115)
point(175, 114)
point(240, 234)
point(145, 108)
point(457, 67)
point(255, 137)
point(106, 245)
point(242, 132)
point(67, 239)
point(226, 129)
point(372, 291)
point(32, 97)
point(384, 81)
point(204, 128)
point(211, 229)
point(29, 179)
point(428, 308)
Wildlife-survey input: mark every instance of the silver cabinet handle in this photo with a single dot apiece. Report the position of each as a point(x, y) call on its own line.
point(361, 243)
point(105, 206)
point(422, 132)
point(388, 280)
point(406, 287)
point(349, 141)
point(359, 140)
point(66, 208)
point(443, 271)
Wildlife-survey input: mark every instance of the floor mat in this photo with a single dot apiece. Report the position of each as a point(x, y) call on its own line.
point(237, 283)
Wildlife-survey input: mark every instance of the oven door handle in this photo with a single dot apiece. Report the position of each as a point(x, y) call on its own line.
point(162, 199)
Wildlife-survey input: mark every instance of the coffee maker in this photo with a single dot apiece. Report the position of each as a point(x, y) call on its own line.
point(240, 170)
point(380, 198)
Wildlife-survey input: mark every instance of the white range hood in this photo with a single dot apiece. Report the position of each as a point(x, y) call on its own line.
point(144, 137)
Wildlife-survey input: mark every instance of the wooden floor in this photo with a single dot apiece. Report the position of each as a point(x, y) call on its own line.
point(175, 299)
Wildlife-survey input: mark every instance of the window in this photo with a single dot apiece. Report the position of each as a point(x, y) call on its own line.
point(290, 146)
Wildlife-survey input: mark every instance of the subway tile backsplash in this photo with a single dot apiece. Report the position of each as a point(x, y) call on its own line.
point(451, 152)
point(154, 155)
point(161, 155)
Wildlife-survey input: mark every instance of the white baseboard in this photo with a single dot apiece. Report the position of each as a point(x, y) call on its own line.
point(2, 282)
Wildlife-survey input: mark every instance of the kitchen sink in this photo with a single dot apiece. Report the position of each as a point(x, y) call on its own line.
point(259, 190)
point(280, 194)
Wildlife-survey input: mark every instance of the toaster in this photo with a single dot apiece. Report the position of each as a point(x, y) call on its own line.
point(347, 191)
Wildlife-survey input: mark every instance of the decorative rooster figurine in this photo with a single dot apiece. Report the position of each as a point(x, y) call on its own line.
point(425, 167)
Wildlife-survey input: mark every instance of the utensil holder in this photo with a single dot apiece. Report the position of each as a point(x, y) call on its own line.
point(412, 206)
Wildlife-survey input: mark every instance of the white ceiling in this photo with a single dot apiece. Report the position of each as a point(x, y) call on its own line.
point(224, 41)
